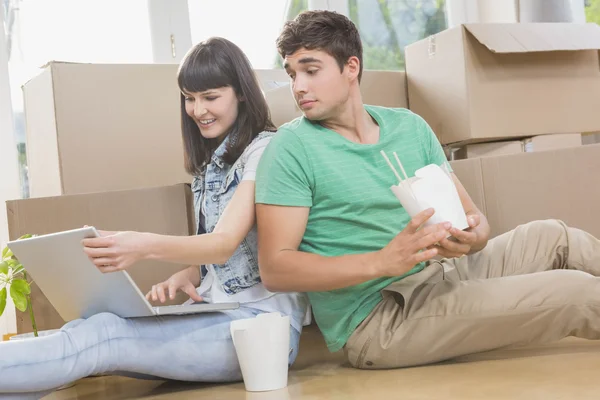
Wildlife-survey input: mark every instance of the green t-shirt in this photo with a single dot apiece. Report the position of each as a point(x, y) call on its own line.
point(352, 209)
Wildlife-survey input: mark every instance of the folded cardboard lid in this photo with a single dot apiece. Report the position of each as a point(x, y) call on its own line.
point(536, 37)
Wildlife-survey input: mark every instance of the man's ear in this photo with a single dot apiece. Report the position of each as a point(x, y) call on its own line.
point(353, 66)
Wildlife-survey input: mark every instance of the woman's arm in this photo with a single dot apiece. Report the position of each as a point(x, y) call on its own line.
point(211, 248)
point(115, 251)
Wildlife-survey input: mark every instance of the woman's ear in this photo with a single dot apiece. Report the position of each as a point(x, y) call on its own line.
point(241, 98)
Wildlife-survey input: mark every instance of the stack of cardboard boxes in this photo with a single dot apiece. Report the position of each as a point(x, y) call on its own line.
point(104, 149)
point(494, 89)
point(499, 89)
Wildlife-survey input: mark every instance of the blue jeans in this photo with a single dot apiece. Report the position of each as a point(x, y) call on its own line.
point(195, 348)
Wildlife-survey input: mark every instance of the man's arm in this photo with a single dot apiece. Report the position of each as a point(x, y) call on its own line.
point(285, 269)
point(470, 240)
point(476, 237)
point(476, 219)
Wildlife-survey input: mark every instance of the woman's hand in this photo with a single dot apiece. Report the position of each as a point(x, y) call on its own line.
point(117, 251)
point(185, 281)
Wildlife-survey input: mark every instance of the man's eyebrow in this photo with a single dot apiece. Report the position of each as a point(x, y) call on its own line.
point(305, 60)
point(308, 60)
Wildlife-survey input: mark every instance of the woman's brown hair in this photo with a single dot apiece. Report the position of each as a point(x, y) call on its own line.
point(212, 64)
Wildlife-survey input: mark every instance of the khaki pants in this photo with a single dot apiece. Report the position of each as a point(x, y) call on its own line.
point(532, 285)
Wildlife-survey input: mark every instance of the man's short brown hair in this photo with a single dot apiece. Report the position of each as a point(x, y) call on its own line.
point(328, 31)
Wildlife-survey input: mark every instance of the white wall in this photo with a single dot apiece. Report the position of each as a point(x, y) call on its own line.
point(474, 11)
point(9, 178)
point(506, 11)
point(578, 11)
point(340, 6)
point(170, 30)
point(462, 12)
point(497, 11)
point(549, 10)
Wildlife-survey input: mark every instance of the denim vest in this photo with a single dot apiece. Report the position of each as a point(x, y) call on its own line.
point(213, 190)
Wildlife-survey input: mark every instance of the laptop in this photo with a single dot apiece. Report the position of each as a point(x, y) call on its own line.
point(77, 289)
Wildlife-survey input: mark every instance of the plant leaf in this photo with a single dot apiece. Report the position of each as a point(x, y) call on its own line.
point(21, 285)
point(18, 269)
point(4, 267)
point(19, 299)
point(7, 253)
point(26, 236)
point(2, 300)
point(13, 263)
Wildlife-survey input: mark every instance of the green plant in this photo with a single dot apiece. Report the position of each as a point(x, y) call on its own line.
point(13, 280)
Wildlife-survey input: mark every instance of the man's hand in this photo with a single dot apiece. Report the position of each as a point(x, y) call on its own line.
point(116, 251)
point(184, 281)
point(411, 246)
point(461, 242)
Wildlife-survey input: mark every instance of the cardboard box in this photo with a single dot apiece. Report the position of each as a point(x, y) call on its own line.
point(552, 142)
point(590, 138)
point(488, 149)
point(95, 127)
point(471, 176)
point(484, 82)
point(282, 105)
point(384, 88)
point(270, 79)
point(528, 145)
point(381, 88)
point(165, 210)
point(516, 189)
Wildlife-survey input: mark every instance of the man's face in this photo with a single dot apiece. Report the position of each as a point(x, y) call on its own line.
point(318, 86)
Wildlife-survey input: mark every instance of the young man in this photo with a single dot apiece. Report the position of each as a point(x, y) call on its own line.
point(329, 225)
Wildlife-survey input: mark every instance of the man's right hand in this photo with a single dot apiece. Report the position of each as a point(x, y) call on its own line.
point(184, 281)
point(410, 247)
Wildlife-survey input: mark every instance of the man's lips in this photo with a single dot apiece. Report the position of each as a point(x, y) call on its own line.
point(306, 102)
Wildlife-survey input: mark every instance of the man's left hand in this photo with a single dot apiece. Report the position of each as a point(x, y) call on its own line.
point(461, 242)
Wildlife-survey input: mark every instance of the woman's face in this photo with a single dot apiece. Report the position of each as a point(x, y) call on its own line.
point(214, 111)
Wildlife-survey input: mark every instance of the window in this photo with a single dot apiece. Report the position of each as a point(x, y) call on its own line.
point(387, 26)
point(252, 25)
point(95, 31)
point(592, 11)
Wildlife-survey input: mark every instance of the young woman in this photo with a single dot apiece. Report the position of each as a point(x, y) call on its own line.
point(226, 126)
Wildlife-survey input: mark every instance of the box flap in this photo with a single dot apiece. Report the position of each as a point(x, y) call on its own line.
point(55, 62)
point(536, 37)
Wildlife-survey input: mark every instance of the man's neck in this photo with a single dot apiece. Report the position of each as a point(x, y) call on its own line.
point(353, 122)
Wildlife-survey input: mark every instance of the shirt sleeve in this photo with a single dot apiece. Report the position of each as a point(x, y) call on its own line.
point(284, 175)
point(253, 157)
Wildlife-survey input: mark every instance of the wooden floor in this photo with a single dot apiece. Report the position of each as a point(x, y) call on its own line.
point(569, 369)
